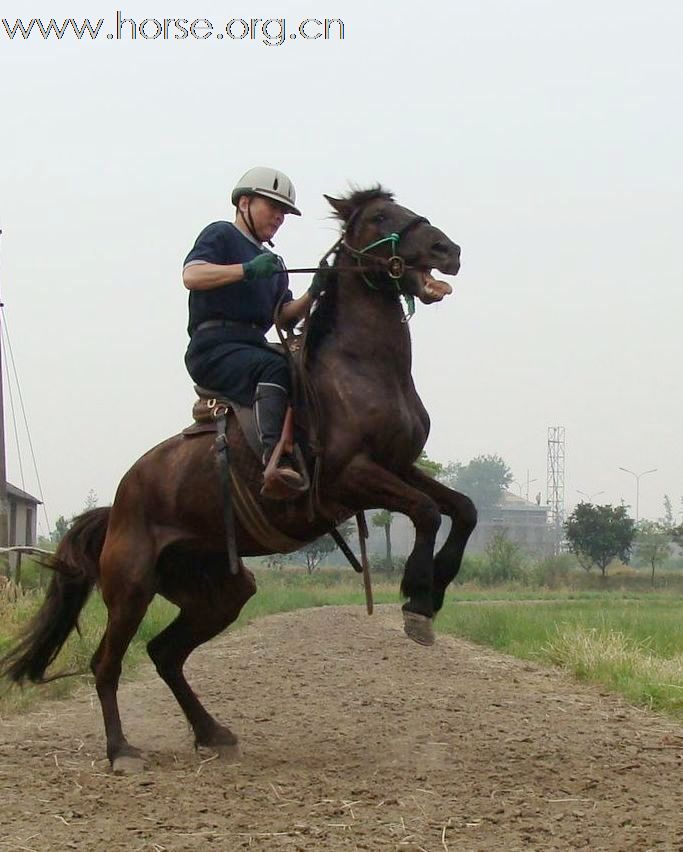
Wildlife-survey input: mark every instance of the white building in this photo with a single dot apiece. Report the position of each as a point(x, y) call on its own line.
point(523, 522)
point(22, 512)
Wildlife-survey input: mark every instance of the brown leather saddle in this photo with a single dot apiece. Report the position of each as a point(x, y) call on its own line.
point(204, 412)
point(207, 410)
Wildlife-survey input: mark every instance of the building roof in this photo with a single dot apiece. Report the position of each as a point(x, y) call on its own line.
point(512, 501)
point(18, 494)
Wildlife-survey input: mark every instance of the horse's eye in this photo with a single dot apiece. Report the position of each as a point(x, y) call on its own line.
point(378, 218)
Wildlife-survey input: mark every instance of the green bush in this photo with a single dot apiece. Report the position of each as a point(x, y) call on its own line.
point(503, 562)
point(552, 572)
point(378, 564)
point(472, 569)
point(33, 575)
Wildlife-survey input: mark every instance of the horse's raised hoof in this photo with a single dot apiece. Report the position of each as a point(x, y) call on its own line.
point(418, 628)
point(128, 762)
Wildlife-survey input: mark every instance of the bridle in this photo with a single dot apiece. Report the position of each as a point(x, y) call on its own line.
point(395, 266)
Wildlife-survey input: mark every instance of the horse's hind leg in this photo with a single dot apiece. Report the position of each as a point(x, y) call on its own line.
point(204, 613)
point(463, 514)
point(127, 596)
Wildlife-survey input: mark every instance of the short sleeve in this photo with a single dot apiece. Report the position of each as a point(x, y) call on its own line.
point(211, 246)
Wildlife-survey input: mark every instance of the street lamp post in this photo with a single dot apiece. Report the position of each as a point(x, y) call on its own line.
point(589, 496)
point(637, 478)
point(528, 483)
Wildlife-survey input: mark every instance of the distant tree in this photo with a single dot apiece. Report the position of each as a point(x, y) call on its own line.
point(668, 519)
point(383, 519)
point(275, 561)
point(90, 500)
point(483, 479)
point(653, 543)
point(677, 535)
point(429, 466)
point(449, 473)
point(45, 543)
point(599, 534)
point(347, 528)
point(315, 551)
point(60, 530)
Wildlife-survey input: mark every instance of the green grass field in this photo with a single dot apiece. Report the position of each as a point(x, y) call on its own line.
point(626, 639)
point(631, 646)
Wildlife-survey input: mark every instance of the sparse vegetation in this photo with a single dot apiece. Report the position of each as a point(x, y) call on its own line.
point(632, 646)
point(619, 632)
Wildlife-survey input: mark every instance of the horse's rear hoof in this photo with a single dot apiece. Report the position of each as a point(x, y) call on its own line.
point(127, 764)
point(228, 753)
point(418, 628)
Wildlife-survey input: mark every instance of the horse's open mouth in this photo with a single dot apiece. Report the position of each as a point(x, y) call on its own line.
point(430, 289)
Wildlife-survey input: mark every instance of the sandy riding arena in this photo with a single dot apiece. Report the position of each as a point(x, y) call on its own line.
point(352, 738)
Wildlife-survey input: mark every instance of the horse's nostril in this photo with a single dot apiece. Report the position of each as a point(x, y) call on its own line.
point(440, 248)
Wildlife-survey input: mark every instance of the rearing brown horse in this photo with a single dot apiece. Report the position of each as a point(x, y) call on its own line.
point(165, 533)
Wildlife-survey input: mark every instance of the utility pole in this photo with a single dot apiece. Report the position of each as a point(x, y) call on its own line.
point(555, 483)
point(4, 527)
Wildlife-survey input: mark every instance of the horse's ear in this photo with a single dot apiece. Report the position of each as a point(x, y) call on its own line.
point(341, 206)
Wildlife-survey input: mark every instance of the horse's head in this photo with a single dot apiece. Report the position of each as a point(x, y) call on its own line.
point(377, 229)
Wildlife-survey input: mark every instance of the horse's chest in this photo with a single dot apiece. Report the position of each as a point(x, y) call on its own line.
point(393, 427)
point(374, 414)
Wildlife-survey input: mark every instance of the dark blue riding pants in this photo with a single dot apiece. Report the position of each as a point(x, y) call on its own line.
point(221, 360)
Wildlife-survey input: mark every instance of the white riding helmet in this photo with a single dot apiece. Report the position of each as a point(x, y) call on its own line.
point(268, 183)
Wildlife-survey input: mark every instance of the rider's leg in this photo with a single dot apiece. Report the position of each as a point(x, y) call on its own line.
point(270, 403)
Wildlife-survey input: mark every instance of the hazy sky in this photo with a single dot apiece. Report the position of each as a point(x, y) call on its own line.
point(545, 138)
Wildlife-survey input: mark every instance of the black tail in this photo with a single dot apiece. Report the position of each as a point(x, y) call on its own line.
point(76, 563)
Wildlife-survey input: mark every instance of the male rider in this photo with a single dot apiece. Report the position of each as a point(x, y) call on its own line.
point(235, 284)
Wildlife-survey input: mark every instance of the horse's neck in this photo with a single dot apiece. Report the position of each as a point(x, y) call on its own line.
point(371, 323)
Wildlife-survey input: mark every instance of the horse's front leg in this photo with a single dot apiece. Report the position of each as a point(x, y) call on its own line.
point(463, 514)
point(365, 484)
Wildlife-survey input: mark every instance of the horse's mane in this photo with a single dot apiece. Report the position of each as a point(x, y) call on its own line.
point(360, 197)
point(323, 318)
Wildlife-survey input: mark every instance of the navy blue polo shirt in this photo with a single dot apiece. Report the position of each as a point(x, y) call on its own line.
point(244, 301)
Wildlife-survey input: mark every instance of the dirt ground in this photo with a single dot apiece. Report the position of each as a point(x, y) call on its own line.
point(353, 737)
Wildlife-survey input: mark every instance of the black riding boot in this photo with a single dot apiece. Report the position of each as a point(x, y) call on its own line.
point(270, 404)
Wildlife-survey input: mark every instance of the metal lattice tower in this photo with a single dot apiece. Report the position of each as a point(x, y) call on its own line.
point(555, 483)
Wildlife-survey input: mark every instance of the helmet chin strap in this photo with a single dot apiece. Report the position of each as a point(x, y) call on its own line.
point(249, 222)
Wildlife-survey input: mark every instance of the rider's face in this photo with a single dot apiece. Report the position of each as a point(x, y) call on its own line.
point(266, 215)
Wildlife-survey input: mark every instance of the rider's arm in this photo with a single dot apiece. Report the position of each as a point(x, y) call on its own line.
point(218, 275)
point(292, 312)
point(207, 276)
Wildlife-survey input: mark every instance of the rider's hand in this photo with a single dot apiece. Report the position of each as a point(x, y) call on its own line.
point(264, 265)
point(320, 280)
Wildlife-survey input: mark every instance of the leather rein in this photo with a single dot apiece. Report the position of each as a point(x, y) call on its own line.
point(395, 265)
